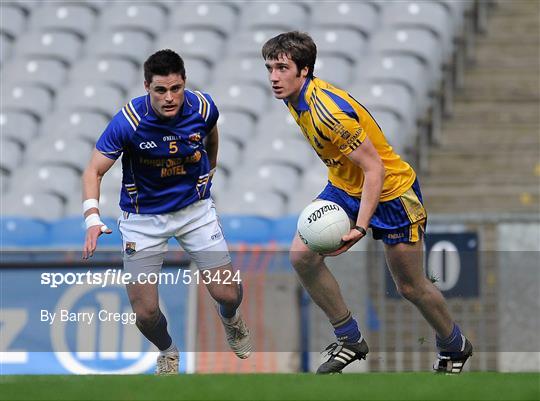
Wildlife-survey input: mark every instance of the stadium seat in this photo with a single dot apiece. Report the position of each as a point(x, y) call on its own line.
point(70, 233)
point(203, 45)
point(18, 126)
point(108, 203)
point(71, 152)
point(84, 125)
point(96, 6)
point(336, 70)
point(416, 42)
point(245, 229)
point(50, 74)
point(313, 181)
point(13, 21)
point(359, 16)
point(300, 199)
point(26, 6)
point(284, 229)
point(404, 70)
point(26, 98)
point(278, 123)
point(425, 15)
point(284, 16)
point(6, 48)
point(220, 184)
point(62, 181)
point(458, 9)
point(236, 126)
point(294, 152)
point(339, 42)
point(390, 97)
point(229, 155)
point(219, 17)
point(101, 98)
point(4, 181)
point(198, 74)
point(73, 18)
point(144, 17)
point(110, 71)
point(12, 155)
point(23, 232)
point(248, 98)
point(112, 180)
point(396, 134)
point(271, 176)
point(249, 43)
point(251, 202)
point(129, 45)
point(32, 204)
point(62, 46)
point(245, 69)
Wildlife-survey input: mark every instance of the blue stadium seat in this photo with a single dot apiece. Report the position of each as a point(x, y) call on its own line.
point(284, 229)
point(246, 229)
point(70, 232)
point(23, 232)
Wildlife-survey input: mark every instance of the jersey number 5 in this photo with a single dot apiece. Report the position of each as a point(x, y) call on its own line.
point(172, 147)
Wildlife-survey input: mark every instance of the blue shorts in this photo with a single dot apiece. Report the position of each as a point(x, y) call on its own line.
point(402, 219)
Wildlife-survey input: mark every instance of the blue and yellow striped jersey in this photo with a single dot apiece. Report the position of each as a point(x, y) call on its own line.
point(164, 162)
point(335, 124)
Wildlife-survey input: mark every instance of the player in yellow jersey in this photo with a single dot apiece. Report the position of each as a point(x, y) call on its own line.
point(376, 188)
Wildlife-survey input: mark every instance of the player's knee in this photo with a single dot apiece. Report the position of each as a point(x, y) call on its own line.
point(408, 291)
point(230, 295)
point(303, 261)
point(146, 315)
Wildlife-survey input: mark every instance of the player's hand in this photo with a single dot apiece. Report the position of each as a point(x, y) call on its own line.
point(90, 242)
point(348, 241)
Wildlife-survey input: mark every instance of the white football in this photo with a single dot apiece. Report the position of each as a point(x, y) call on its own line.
point(321, 226)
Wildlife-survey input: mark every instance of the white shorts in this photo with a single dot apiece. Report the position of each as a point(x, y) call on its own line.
point(196, 228)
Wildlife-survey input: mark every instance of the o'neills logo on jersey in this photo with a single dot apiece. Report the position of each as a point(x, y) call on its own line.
point(147, 145)
point(317, 214)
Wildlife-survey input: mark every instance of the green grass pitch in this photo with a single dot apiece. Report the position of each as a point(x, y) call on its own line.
point(370, 386)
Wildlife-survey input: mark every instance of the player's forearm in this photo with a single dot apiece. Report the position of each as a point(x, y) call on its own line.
point(212, 150)
point(371, 192)
point(91, 182)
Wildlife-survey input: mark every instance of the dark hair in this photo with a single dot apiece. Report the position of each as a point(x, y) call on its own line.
point(163, 62)
point(296, 45)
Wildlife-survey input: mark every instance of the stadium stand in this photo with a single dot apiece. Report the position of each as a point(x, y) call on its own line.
point(49, 74)
point(219, 17)
point(72, 18)
point(67, 67)
point(18, 126)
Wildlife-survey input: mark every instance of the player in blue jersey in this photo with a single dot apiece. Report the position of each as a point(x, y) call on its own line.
point(168, 141)
point(376, 188)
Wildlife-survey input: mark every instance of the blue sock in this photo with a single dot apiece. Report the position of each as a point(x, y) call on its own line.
point(453, 343)
point(227, 310)
point(157, 334)
point(347, 330)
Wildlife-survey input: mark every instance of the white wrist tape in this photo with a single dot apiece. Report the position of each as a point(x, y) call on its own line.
point(94, 220)
point(212, 172)
point(89, 204)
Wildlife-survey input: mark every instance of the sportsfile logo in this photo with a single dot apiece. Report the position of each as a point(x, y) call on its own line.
point(147, 145)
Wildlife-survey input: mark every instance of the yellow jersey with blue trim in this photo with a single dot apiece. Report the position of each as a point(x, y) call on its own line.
point(335, 124)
